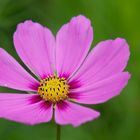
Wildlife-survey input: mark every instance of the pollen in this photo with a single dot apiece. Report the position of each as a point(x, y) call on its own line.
point(53, 89)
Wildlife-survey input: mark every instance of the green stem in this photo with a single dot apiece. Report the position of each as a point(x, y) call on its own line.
point(58, 132)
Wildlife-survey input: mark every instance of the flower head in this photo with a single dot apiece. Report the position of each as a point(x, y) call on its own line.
point(65, 73)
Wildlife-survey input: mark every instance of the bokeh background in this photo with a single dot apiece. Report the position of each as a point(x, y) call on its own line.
point(120, 117)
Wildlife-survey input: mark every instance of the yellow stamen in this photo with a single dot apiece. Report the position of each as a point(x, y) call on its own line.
point(53, 89)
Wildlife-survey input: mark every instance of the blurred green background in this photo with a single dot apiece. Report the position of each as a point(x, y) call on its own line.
point(120, 117)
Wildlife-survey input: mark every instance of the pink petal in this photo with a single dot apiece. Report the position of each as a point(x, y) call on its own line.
point(101, 91)
point(70, 113)
point(12, 75)
point(25, 108)
point(106, 59)
point(72, 45)
point(35, 45)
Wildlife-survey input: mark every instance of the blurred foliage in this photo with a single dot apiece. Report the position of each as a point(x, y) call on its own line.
point(120, 117)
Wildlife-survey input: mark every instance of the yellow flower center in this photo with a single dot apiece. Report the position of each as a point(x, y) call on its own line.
point(53, 89)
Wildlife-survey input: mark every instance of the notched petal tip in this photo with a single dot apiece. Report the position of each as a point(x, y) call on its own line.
point(127, 76)
point(81, 18)
point(124, 44)
point(122, 41)
point(27, 26)
point(26, 23)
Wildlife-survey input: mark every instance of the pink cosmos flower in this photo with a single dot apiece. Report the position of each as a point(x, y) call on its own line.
point(66, 73)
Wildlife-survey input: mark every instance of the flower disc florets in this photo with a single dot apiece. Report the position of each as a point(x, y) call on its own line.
point(53, 89)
